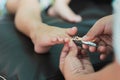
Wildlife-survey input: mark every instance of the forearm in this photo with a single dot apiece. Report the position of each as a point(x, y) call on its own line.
point(110, 72)
point(106, 73)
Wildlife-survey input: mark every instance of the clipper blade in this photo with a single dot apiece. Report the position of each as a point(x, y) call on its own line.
point(78, 41)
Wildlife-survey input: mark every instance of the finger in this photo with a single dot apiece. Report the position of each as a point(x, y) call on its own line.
point(84, 46)
point(73, 51)
point(103, 56)
point(100, 27)
point(63, 55)
point(92, 49)
point(107, 39)
point(103, 52)
point(109, 49)
point(106, 52)
point(96, 30)
point(102, 49)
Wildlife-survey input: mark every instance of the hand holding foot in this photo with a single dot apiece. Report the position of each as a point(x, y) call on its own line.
point(71, 65)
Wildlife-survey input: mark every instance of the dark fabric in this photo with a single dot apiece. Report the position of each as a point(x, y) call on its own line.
point(18, 61)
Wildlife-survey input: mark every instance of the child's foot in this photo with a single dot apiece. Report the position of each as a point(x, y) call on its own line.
point(61, 9)
point(47, 36)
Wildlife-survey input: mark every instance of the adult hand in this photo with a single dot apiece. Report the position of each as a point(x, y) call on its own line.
point(74, 62)
point(101, 34)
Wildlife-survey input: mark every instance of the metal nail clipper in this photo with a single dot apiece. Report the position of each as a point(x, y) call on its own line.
point(78, 41)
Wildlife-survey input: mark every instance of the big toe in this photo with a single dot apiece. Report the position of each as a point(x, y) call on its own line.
point(72, 31)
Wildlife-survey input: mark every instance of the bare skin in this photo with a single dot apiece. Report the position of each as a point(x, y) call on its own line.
point(75, 68)
point(73, 63)
point(101, 33)
point(72, 67)
point(29, 22)
point(61, 9)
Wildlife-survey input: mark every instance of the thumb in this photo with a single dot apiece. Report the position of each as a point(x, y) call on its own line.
point(73, 51)
point(96, 30)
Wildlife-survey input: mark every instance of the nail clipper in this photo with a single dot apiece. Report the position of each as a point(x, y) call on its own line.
point(78, 41)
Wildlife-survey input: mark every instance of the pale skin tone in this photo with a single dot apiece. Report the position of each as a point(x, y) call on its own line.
point(71, 66)
point(61, 9)
point(101, 35)
point(29, 22)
